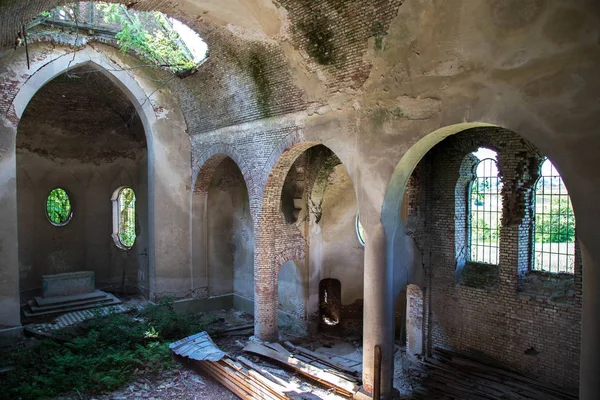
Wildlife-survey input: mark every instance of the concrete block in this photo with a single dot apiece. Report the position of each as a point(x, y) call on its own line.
point(68, 284)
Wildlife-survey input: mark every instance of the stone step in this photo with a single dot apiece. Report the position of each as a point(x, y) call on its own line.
point(35, 308)
point(110, 301)
point(50, 301)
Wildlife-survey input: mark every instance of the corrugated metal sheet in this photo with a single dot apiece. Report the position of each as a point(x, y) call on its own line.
point(197, 347)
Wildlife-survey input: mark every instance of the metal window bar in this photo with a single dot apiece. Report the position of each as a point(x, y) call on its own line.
point(127, 217)
point(485, 213)
point(554, 227)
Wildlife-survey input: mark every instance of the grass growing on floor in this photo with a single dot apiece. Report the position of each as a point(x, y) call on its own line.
point(103, 355)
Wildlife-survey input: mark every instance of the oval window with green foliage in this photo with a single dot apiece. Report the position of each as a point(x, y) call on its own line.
point(58, 207)
point(124, 218)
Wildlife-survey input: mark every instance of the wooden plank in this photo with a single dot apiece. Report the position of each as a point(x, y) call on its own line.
point(342, 385)
point(321, 358)
point(228, 384)
point(263, 371)
point(228, 375)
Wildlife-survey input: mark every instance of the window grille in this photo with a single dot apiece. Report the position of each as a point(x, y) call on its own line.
point(554, 228)
point(124, 218)
point(58, 207)
point(485, 212)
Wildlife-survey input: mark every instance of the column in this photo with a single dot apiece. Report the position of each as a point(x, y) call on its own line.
point(378, 321)
point(10, 316)
point(589, 367)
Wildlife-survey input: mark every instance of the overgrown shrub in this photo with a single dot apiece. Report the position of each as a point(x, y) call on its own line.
point(101, 356)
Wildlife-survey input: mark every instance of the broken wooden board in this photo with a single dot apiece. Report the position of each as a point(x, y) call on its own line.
point(330, 378)
point(451, 375)
point(320, 358)
point(243, 378)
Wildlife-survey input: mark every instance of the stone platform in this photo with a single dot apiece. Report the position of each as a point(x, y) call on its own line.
point(42, 306)
point(67, 284)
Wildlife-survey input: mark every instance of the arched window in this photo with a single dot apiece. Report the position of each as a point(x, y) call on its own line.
point(58, 207)
point(124, 218)
point(485, 211)
point(554, 229)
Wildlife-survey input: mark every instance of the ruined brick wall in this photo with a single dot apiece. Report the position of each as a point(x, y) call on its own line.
point(538, 333)
point(333, 35)
point(242, 80)
point(249, 77)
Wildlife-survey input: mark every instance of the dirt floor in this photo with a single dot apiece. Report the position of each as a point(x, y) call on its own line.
point(180, 383)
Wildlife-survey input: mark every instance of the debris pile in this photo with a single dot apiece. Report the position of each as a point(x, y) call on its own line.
point(249, 380)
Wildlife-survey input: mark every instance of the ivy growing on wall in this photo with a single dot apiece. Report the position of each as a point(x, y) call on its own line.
point(151, 36)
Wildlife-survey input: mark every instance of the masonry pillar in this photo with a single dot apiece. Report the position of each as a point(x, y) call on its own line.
point(265, 287)
point(378, 324)
point(9, 255)
point(589, 368)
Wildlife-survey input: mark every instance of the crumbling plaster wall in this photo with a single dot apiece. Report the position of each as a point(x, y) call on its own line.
point(168, 160)
point(457, 62)
point(85, 243)
point(439, 64)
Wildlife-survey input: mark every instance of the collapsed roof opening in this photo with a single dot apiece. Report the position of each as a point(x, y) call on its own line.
point(158, 39)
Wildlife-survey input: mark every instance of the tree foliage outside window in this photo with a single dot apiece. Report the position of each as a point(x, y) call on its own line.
point(126, 210)
point(485, 209)
point(157, 39)
point(150, 35)
point(58, 207)
point(557, 225)
point(554, 229)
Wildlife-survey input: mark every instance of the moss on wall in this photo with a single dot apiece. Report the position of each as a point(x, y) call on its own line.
point(320, 39)
point(256, 68)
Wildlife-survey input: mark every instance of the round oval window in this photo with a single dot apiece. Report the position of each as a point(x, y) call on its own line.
point(58, 207)
point(360, 232)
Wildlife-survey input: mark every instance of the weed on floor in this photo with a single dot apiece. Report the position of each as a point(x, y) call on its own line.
point(102, 355)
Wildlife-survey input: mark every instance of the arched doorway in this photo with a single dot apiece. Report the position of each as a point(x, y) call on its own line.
point(222, 234)
point(309, 216)
point(469, 212)
point(81, 138)
point(165, 190)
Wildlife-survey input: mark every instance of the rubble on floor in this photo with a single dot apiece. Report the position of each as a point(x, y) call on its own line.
point(250, 380)
point(181, 383)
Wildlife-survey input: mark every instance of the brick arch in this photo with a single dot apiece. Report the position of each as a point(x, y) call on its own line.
point(276, 241)
point(292, 254)
point(271, 232)
point(205, 166)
